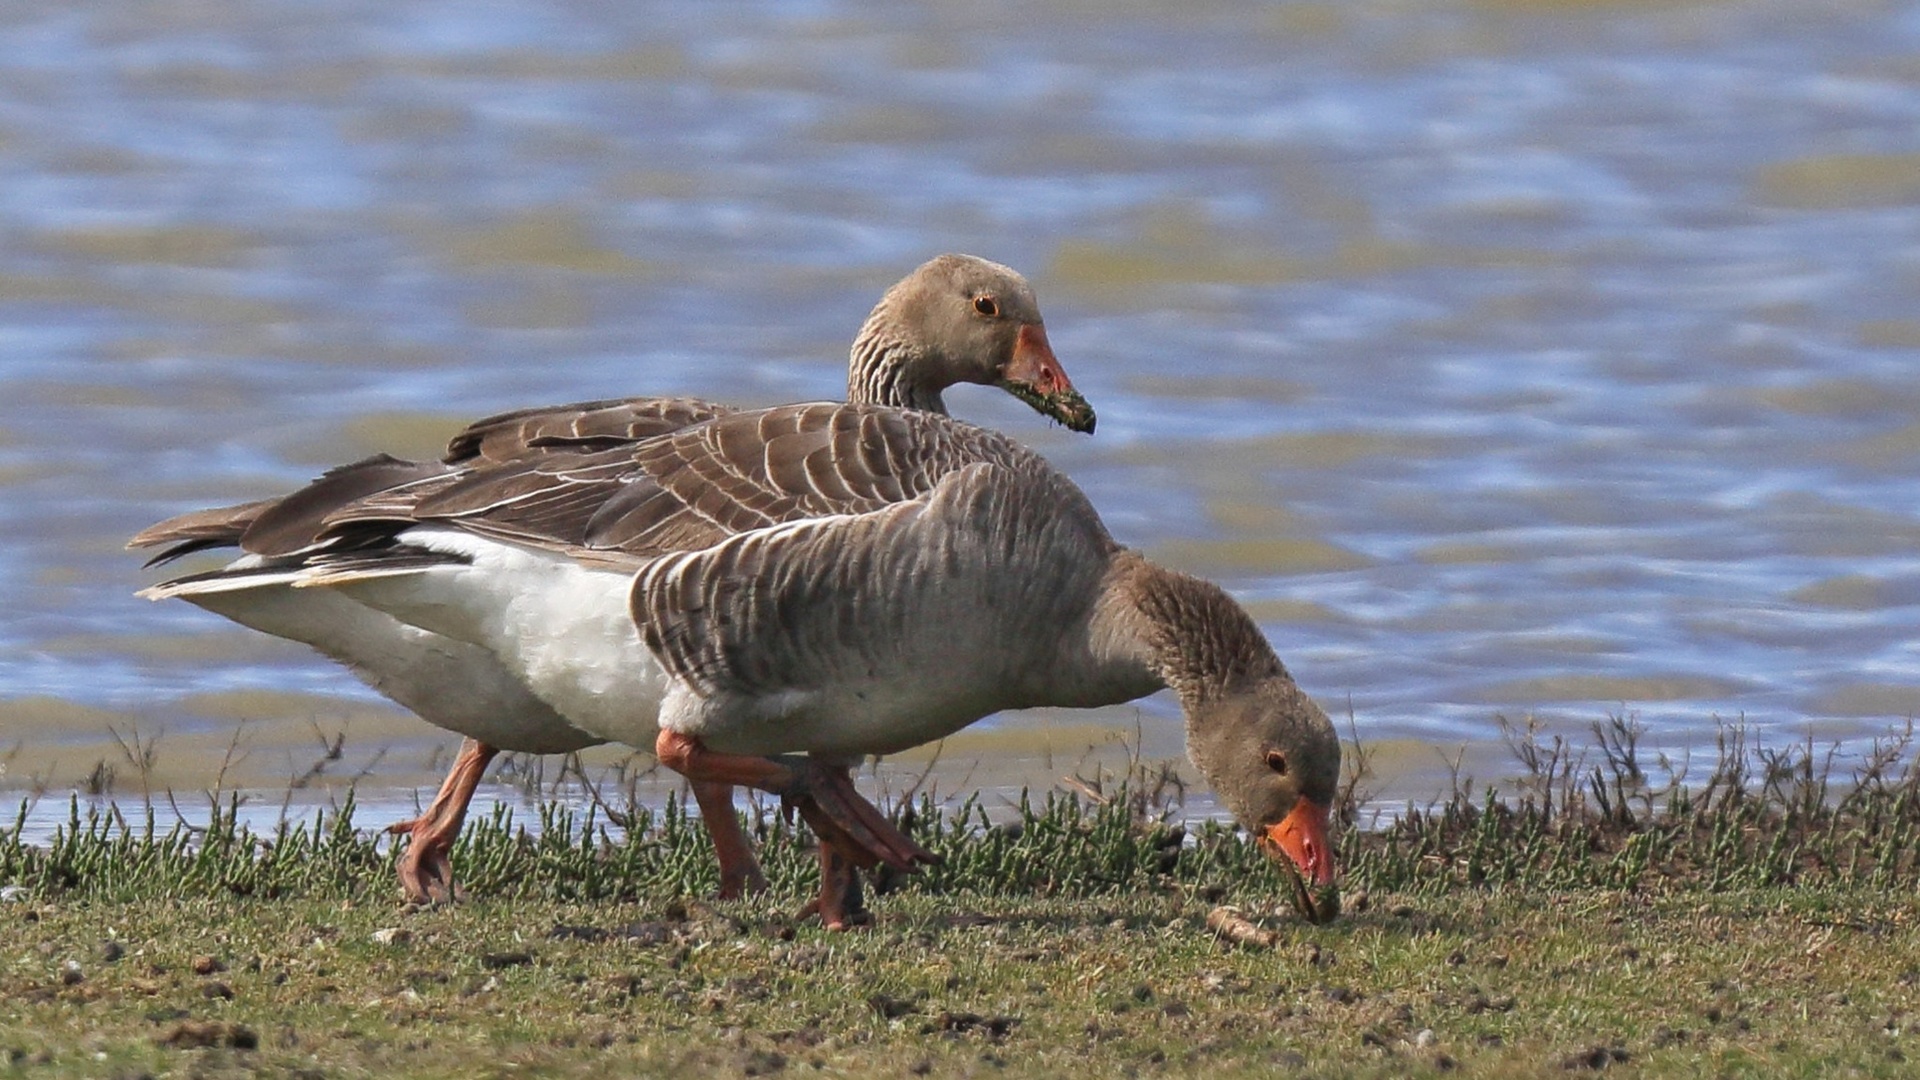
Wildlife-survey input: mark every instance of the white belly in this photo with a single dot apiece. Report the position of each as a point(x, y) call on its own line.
point(559, 627)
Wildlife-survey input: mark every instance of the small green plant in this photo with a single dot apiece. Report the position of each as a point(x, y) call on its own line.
point(1763, 816)
point(1589, 817)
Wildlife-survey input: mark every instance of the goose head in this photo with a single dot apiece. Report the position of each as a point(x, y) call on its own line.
point(1273, 759)
point(962, 319)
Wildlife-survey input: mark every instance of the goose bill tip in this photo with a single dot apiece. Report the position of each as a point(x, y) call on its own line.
point(1302, 838)
point(1034, 375)
point(1072, 410)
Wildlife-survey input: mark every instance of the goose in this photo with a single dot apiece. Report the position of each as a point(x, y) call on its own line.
point(816, 583)
point(956, 318)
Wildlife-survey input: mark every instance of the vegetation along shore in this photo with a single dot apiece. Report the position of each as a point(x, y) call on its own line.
point(1759, 919)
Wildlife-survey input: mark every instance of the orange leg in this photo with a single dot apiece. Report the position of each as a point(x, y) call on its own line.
point(426, 867)
point(739, 871)
point(824, 795)
point(840, 906)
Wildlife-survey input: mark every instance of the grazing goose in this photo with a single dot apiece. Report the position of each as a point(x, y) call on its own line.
point(954, 319)
point(815, 583)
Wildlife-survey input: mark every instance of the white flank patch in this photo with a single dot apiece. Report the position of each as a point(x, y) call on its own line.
point(450, 684)
point(560, 627)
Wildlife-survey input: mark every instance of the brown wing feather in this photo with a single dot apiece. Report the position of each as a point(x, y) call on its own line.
point(387, 488)
point(291, 523)
point(222, 523)
point(698, 485)
point(221, 526)
point(297, 522)
point(584, 426)
point(550, 498)
point(751, 470)
point(992, 554)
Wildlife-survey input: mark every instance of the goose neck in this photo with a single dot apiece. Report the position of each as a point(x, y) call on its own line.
point(1191, 634)
point(888, 371)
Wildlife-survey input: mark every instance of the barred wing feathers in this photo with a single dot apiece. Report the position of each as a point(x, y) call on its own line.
point(983, 555)
point(585, 426)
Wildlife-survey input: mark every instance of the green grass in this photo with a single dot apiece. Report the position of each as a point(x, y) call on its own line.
point(1762, 920)
point(1762, 981)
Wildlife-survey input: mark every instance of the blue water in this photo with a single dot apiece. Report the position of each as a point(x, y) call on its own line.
point(1576, 342)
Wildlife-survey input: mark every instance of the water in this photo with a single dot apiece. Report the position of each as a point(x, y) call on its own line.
point(1510, 357)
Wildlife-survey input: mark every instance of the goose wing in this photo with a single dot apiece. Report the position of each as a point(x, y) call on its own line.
point(697, 486)
point(989, 562)
point(292, 524)
point(583, 426)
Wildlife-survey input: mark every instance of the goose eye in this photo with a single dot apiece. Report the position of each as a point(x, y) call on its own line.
point(985, 306)
point(1277, 761)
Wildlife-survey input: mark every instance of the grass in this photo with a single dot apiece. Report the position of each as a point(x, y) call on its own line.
point(1759, 920)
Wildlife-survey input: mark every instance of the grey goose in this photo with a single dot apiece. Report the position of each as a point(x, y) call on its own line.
point(815, 583)
point(955, 319)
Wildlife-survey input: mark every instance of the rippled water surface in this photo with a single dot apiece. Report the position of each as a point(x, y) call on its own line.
point(1509, 357)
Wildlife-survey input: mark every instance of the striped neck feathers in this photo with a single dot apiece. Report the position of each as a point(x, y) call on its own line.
point(1192, 635)
point(887, 370)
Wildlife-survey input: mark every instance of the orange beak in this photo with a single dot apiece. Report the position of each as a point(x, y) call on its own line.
point(1034, 376)
point(1303, 837)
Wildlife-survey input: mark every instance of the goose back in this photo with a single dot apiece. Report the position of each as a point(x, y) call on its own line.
point(697, 486)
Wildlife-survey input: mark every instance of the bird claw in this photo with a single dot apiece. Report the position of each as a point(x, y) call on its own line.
point(841, 904)
point(837, 917)
point(825, 797)
point(425, 870)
